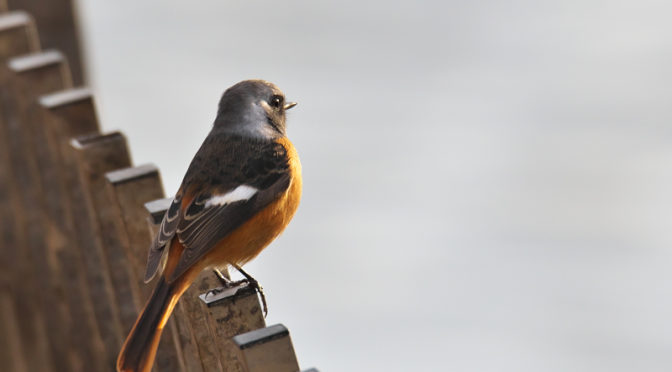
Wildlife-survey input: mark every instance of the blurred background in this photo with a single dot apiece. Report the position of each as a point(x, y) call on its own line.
point(486, 184)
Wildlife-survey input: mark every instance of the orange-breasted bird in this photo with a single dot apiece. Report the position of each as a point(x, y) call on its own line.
point(239, 193)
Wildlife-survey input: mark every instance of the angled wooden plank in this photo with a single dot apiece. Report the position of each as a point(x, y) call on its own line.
point(28, 77)
point(57, 27)
point(131, 188)
point(11, 332)
point(91, 157)
point(128, 190)
point(195, 310)
point(229, 312)
point(17, 37)
point(66, 114)
point(267, 349)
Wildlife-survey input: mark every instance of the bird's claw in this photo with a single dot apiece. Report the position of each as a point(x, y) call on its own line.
point(214, 292)
point(254, 284)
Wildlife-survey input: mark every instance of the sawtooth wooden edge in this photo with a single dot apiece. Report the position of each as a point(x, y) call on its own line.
point(57, 28)
point(66, 114)
point(42, 331)
point(92, 156)
point(129, 189)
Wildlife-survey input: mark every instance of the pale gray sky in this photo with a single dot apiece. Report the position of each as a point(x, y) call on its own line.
point(487, 183)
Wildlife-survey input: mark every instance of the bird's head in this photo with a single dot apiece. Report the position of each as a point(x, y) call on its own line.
point(254, 108)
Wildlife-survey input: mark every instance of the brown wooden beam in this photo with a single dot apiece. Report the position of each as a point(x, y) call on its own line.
point(28, 77)
point(67, 114)
point(93, 156)
point(17, 37)
point(128, 190)
point(57, 28)
point(267, 349)
point(230, 312)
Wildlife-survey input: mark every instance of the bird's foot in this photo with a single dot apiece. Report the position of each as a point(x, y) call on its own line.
point(254, 284)
point(224, 281)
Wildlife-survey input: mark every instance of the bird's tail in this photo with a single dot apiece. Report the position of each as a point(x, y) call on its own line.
point(137, 354)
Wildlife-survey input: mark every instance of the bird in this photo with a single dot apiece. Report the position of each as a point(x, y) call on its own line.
point(240, 191)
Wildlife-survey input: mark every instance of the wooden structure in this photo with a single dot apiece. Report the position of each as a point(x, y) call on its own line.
point(78, 217)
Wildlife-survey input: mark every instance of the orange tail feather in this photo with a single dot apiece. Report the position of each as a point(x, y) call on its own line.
point(139, 350)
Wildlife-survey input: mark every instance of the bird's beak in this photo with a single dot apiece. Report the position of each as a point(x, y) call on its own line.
point(289, 105)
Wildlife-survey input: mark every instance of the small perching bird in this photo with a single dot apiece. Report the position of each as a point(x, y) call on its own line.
point(241, 190)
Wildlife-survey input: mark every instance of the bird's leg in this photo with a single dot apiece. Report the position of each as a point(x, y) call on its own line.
point(254, 284)
point(225, 282)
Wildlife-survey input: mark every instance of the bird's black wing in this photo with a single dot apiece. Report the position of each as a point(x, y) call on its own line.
point(229, 181)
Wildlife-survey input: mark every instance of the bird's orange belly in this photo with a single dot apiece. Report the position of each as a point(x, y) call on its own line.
point(247, 241)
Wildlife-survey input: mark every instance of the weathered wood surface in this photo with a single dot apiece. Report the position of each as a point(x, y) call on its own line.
point(57, 28)
point(231, 312)
point(128, 190)
point(17, 37)
point(41, 330)
point(91, 157)
point(95, 158)
point(267, 350)
point(67, 114)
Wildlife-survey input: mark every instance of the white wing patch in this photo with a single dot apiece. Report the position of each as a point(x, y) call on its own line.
point(242, 192)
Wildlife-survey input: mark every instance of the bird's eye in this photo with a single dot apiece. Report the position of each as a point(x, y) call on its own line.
point(276, 101)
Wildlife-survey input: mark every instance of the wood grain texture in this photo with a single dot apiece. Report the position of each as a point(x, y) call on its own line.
point(17, 33)
point(268, 349)
point(91, 157)
point(67, 114)
point(28, 77)
point(57, 28)
point(128, 190)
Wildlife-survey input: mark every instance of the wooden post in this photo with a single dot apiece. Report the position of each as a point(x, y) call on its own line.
point(198, 319)
point(230, 312)
point(104, 154)
point(13, 355)
point(28, 77)
point(131, 188)
point(62, 324)
point(267, 350)
point(57, 26)
point(128, 190)
point(17, 37)
point(109, 280)
point(66, 114)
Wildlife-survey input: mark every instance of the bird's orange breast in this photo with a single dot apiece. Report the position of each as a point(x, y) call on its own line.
point(247, 241)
